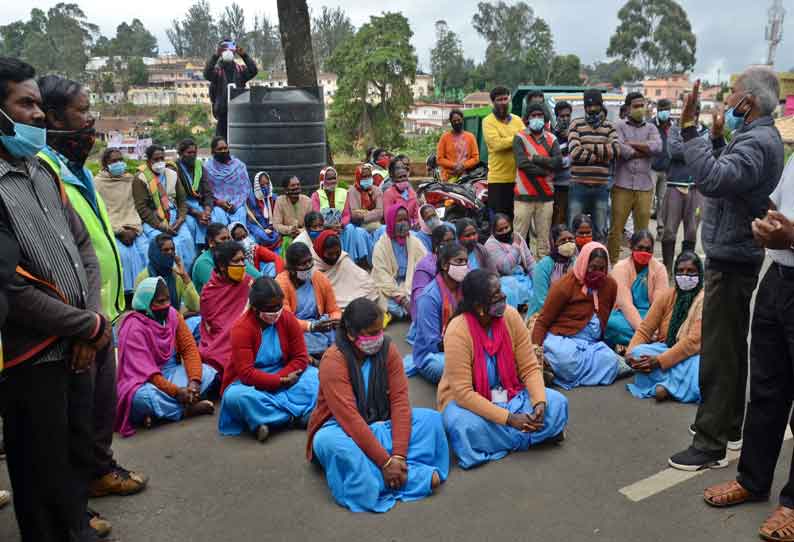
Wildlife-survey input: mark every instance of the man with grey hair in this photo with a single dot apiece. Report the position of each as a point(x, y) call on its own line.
point(736, 181)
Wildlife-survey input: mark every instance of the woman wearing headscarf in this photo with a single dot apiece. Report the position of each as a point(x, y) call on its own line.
point(114, 184)
point(513, 261)
point(394, 261)
point(434, 309)
point(562, 256)
point(310, 297)
point(571, 324)
point(469, 237)
point(229, 182)
point(492, 395)
point(223, 300)
point(364, 204)
point(401, 193)
point(428, 220)
point(267, 262)
point(348, 280)
point(259, 210)
point(427, 268)
point(161, 203)
point(640, 278)
point(665, 350)
point(200, 199)
point(374, 448)
point(160, 374)
point(269, 382)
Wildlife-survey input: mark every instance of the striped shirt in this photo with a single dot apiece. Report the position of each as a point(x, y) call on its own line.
point(32, 210)
point(592, 151)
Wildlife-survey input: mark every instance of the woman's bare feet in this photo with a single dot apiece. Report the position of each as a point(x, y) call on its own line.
point(435, 481)
point(147, 422)
point(202, 408)
point(661, 393)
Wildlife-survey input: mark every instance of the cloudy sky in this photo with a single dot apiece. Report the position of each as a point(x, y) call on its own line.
point(730, 33)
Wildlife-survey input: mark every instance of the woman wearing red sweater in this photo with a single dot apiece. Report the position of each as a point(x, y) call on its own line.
point(375, 449)
point(269, 382)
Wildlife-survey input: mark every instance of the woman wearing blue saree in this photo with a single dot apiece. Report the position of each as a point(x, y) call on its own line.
point(374, 448)
point(428, 221)
point(268, 382)
point(640, 279)
point(199, 196)
point(665, 350)
point(434, 309)
point(469, 237)
point(550, 269)
point(259, 209)
point(229, 182)
point(513, 260)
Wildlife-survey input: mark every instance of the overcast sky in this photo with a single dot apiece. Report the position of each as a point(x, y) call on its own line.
point(730, 33)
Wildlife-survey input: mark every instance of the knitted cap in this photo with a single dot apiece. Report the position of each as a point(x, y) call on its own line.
point(593, 97)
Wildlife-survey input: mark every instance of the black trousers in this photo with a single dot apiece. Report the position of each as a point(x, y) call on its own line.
point(723, 359)
point(221, 127)
point(501, 198)
point(104, 375)
point(771, 384)
point(48, 431)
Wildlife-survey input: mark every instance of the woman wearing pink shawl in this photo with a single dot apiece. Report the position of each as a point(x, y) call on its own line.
point(491, 394)
point(160, 374)
point(223, 300)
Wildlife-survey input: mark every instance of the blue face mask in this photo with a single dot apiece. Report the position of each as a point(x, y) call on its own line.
point(117, 169)
point(663, 116)
point(27, 140)
point(594, 119)
point(536, 124)
point(732, 120)
point(366, 184)
point(314, 234)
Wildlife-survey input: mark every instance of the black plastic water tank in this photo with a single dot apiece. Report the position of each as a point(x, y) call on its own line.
point(281, 131)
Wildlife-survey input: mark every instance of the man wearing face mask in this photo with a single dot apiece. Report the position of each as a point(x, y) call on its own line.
point(592, 142)
point(221, 71)
point(57, 327)
point(538, 156)
point(639, 141)
point(71, 137)
point(562, 177)
point(661, 161)
point(457, 150)
point(736, 181)
point(499, 129)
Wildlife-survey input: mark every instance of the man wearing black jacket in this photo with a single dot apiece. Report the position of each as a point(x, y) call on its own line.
point(221, 71)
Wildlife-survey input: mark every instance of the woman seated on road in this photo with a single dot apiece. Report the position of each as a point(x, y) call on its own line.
point(550, 269)
point(259, 210)
point(571, 324)
point(348, 280)
point(160, 374)
point(374, 448)
point(310, 297)
point(290, 210)
point(394, 261)
point(434, 309)
point(263, 259)
point(492, 395)
point(164, 263)
point(114, 184)
point(468, 236)
point(665, 350)
point(513, 261)
point(229, 182)
point(223, 300)
point(428, 220)
point(314, 225)
point(364, 204)
point(161, 203)
point(202, 269)
point(641, 278)
point(427, 268)
point(199, 197)
point(269, 382)
point(402, 193)
point(356, 241)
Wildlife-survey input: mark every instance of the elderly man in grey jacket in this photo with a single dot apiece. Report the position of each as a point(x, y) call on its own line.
point(736, 182)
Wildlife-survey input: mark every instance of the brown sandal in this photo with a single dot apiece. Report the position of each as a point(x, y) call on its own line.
point(779, 527)
point(727, 494)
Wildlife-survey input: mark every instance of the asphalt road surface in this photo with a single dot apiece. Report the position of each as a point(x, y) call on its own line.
point(205, 487)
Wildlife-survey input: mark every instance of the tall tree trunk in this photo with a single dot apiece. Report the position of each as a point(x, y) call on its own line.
point(296, 41)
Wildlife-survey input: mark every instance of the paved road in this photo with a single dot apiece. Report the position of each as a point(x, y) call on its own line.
point(208, 488)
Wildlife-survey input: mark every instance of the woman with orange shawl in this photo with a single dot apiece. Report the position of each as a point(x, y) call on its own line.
point(364, 205)
point(223, 300)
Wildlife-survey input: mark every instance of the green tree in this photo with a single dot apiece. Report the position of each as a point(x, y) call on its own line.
point(375, 70)
point(196, 35)
point(232, 23)
point(264, 43)
point(446, 59)
point(566, 70)
point(616, 72)
point(107, 84)
point(136, 73)
point(12, 39)
point(656, 34)
point(329, 30)
point(132, 40)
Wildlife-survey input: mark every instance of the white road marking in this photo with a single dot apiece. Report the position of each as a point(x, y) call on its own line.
point(664, 480)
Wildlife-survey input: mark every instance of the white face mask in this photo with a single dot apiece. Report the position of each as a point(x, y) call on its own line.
point(227, 56)
point(566, 250)
point(458, 272)
point(304, 275)
point(687, 283)
point(158, 167)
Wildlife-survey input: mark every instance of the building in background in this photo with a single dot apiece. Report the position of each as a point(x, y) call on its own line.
point(476, 99)
point(424, 118)
point(670, 88)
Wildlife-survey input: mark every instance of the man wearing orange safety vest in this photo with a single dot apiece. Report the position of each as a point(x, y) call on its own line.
point(538, 157)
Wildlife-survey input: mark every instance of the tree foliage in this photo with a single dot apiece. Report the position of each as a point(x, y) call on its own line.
point(329, 30)
point(232, 23)
point(615, 72)
point(264, 43)
point(656, 34)
point(375, 70)
point(447, 64)
point(196, 35)
point(131, 40)
point(566, 70)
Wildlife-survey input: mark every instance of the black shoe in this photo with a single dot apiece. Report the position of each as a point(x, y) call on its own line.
point(693, 459)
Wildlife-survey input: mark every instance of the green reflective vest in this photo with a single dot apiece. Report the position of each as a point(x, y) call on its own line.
point(340, 196)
